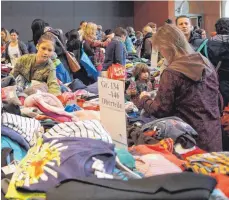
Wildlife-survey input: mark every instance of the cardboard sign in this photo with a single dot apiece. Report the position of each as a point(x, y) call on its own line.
point(112, 109)
point(154, 58)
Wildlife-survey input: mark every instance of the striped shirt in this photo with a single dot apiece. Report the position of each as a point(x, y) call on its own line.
point(86, 129)
point(29, 129)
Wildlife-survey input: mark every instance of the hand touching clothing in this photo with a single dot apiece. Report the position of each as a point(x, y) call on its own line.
point(144, 93)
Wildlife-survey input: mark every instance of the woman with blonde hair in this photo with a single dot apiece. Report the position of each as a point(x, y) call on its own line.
point(188, 89)
point(91, 44)
point(5, 38)
point(5, 35)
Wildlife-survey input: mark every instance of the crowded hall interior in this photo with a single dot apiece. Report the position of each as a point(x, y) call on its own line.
point(115, 100)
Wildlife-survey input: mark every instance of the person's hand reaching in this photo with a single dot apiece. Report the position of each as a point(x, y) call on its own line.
point(144, 94)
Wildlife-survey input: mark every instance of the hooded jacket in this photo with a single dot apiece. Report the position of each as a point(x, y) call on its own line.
point(218, 51)
point(146, 46)
point(189, 90)
point(195, 40)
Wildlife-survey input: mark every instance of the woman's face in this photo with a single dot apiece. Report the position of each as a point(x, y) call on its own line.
point(203, 35)
point(44, 51)
point(83, 26)
point(13, 37)
point(3, 35)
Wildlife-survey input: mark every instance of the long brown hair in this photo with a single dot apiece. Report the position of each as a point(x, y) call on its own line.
point(172, 40)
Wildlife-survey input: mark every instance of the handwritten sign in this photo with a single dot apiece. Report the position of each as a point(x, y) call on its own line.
point(112, 109)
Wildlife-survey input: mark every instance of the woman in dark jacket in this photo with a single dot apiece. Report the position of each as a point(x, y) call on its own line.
point(73, 43)
point(218, 54)
point(146, 43)
point(15, 48)
point(74, 46)
point(38, 26)
point(188, 89)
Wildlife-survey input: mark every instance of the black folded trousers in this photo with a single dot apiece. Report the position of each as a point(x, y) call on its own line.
point(180, 186)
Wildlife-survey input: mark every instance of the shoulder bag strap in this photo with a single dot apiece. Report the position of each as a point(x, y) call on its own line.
point(57, 39)
point(218, 66)
point(206, 51)
point(202, 45)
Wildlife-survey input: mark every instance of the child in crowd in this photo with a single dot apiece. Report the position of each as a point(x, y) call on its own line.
point(38, 66)
point(140, 82)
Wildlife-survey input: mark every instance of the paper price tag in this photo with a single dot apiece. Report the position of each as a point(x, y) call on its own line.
point(103, 175)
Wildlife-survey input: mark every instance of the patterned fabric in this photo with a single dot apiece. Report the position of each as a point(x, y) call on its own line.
point(52, 161)
point(45, 72)
point(99, 56)
point(97, 43)
point(174, 128)
point(194, 102)
point(167, 144)
point(86, 129)
point(209, 163)
point(28, 128)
